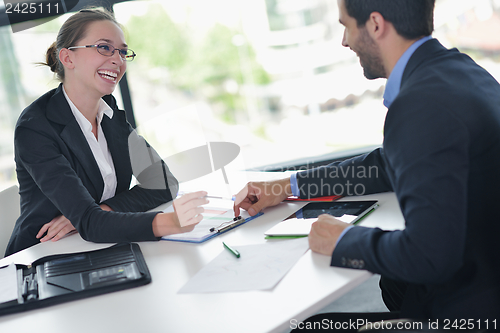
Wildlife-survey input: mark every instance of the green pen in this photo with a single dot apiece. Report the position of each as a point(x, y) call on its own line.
point(233, 251)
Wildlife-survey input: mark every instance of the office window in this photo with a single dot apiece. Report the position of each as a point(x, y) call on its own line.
point(268, 75)
point(217, 72)
point(21, 82)
point(289, 14)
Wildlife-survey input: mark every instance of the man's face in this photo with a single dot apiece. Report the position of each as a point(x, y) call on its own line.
point(358, 40)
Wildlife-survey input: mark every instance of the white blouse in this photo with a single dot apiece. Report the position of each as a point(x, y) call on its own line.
point(99, 146)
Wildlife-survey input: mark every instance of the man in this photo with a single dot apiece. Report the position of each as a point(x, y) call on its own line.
point(441, 157)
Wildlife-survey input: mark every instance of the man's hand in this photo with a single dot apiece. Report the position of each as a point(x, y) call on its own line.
point(256, 196)
point(325, 233)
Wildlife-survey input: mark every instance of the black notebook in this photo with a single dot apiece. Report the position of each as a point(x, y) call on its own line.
point(60, 278)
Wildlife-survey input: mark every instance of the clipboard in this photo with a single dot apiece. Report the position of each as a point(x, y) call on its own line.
point(67, 277)
point(203, 232)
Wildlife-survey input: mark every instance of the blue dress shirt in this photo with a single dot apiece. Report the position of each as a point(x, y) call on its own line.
point(394, 82)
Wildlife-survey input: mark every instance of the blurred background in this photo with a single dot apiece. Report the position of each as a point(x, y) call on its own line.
point(268, 75)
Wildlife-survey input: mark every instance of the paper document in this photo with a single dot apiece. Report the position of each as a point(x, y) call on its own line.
point(8, 283)
point(217, 212)
point(300, 227)
point(260, 267)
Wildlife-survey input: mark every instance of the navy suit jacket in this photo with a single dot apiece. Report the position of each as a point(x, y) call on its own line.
point(58, 174)
point(441, 157)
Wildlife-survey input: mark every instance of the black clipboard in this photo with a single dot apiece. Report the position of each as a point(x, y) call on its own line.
point(66, 277)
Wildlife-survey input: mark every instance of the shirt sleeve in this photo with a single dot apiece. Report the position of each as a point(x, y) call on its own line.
point(343, 233)
point(361, 175)
point(294, 186)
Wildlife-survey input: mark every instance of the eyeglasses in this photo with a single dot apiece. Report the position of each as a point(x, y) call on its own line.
point(108, 50)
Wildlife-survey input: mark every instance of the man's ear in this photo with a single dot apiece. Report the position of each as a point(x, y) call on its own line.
point(376, 25)
point(66, 58)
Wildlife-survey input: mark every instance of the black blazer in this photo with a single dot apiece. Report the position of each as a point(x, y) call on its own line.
point(441, 156)
point(58, 174)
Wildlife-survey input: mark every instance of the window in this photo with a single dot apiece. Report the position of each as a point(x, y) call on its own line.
point(268, 75)
point(21, 82)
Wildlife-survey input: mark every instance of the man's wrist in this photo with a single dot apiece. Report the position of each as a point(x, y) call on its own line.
point(342, 234)
point(286, 186)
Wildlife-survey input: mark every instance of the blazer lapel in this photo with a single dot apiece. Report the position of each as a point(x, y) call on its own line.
point(118, 146)
point(59, 112)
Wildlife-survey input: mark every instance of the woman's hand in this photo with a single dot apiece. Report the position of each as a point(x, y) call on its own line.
point(56, 229)
point(188, 209)
point(187, 214)
point(59, 227)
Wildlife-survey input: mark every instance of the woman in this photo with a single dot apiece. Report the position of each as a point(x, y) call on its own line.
point(73, 150)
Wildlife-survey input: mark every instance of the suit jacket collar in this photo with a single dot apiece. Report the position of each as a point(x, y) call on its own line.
point(58, 105)
point(426, 51)
point(118, 146)
point(393, 84)
point(58, 110)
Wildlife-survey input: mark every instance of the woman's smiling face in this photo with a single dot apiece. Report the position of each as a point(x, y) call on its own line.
point(93, 72)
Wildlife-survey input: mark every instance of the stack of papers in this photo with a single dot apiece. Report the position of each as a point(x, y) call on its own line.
point(8, 283)
point(260, 267)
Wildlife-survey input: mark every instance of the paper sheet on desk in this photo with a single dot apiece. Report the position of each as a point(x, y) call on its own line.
point(260, 267)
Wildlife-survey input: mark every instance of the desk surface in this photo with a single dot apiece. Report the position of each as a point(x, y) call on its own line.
point(308, 287)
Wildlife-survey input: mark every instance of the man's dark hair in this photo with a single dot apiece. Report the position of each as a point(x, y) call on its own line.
point(411, 18)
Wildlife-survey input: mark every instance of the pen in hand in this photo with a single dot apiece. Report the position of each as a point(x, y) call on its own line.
point(230, 249)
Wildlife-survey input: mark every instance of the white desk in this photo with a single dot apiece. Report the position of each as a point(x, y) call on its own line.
point(307, 288)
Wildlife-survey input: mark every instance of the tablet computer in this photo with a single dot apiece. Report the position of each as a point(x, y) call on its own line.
point(300, 226)
point(356, 209)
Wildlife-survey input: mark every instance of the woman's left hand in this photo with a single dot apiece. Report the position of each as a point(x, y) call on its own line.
point(59, 227)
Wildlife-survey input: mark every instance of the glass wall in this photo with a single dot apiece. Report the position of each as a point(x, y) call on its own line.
point(21, 81)
point(268, 75)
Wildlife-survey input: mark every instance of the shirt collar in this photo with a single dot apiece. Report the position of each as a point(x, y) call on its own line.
point(393, 84)
point(104, 109)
